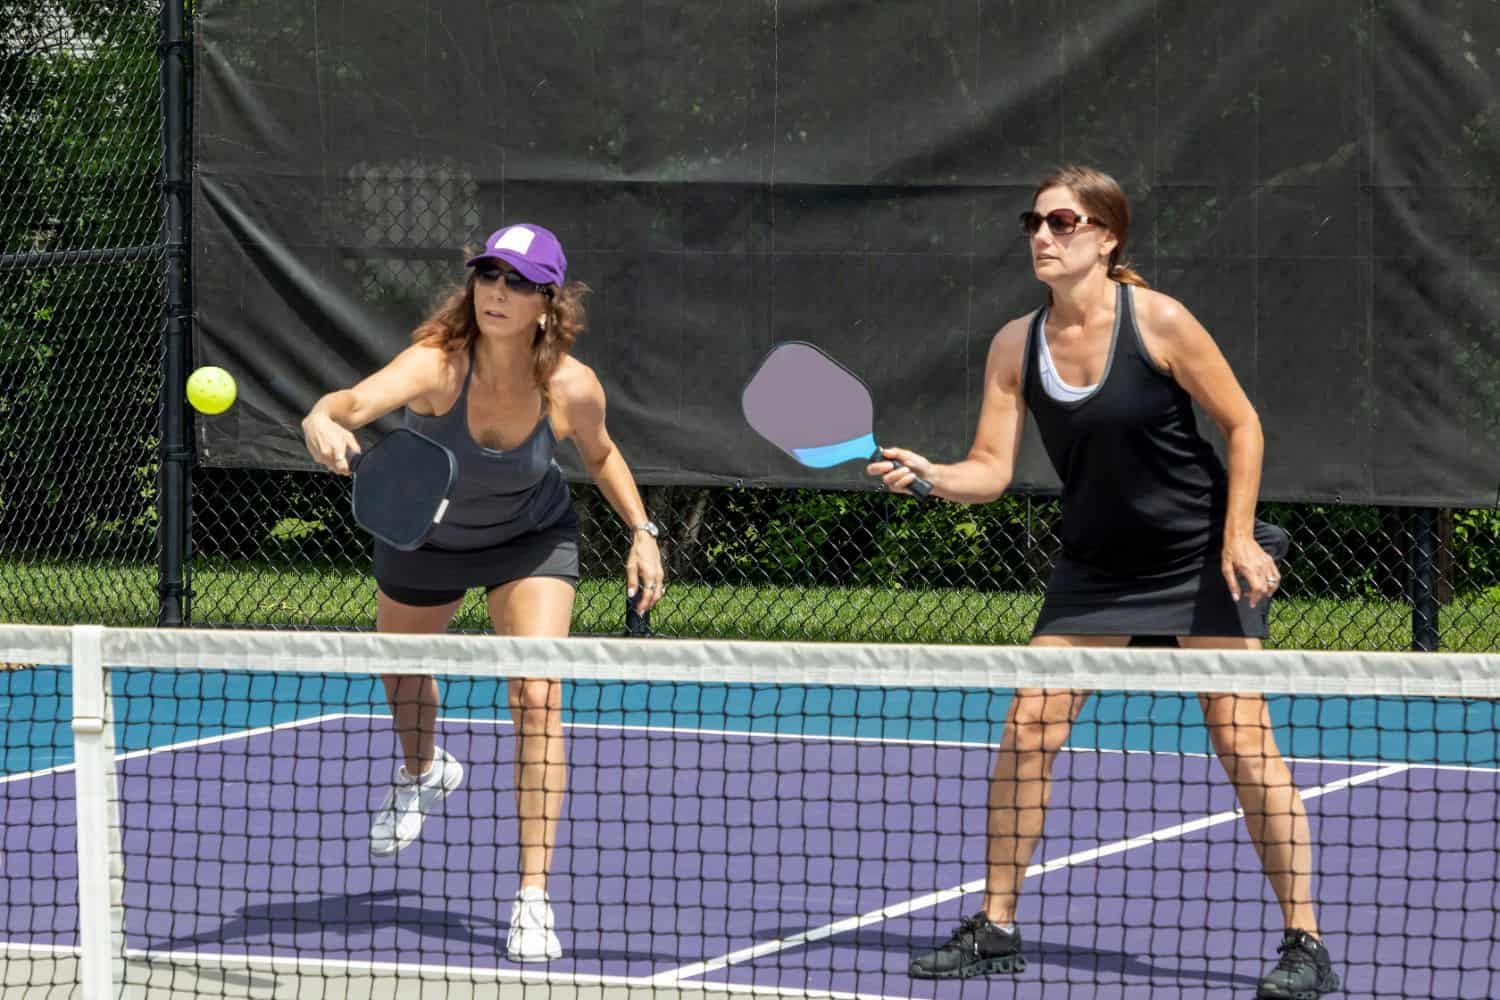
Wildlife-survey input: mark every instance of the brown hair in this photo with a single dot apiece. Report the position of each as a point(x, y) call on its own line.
point(1103, 199)
point(452, 327)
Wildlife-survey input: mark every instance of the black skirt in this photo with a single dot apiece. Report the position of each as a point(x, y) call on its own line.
point(1188, 597)
point(551, 551)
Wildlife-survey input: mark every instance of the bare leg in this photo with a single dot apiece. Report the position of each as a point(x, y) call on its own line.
point(413, 699)
point(1240, 728)
point(1036, 727)
point(536, 606)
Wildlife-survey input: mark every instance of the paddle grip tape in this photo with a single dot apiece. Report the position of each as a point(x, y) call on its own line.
point(919, 487)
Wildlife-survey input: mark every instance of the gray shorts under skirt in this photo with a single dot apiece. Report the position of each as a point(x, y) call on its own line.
point(430, 576)
point(1189, 598)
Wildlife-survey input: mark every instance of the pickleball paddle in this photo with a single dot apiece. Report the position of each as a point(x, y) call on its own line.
point(814, 409)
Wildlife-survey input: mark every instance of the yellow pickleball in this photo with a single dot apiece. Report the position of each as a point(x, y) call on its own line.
point(211, 390)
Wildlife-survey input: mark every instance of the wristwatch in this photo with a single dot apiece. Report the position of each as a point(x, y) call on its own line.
point(649, 527)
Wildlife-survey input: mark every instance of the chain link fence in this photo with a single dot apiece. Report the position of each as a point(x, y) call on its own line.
point(81, 264)
point(281, 549)
point(82, 294)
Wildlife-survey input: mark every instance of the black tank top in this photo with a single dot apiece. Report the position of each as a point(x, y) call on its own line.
point(1141, 488)
point(499, 494)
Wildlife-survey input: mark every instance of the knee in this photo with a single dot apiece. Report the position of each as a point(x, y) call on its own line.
point(403, 687)
point(1038, 725)
point(535, 695)
point(1245, 752)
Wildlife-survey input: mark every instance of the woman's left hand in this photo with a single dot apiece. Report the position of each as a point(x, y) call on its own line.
point(645, 580)
point(1244, 559)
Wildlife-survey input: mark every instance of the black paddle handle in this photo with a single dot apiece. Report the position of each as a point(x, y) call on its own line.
point(637, 622)
point(919, 487)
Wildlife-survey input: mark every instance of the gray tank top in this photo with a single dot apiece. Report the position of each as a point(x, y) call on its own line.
point(500, 494)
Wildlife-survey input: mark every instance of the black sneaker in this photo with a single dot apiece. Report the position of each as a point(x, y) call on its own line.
point(1304, 971)
point(977, 948)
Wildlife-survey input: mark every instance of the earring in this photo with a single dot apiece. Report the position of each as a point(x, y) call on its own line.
point(542, 322)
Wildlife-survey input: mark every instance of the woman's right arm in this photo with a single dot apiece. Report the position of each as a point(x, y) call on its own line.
point(328, 429)
point(986, 472)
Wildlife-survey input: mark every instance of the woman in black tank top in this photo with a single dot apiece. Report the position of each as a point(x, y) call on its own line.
point(490, 376)
point(1158, 540)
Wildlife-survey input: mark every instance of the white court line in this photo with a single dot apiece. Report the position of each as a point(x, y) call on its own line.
point(673, 730)
point(185, 744)
point(913, 741)
point(690, 731)
point(748, 733)
point(18, 950)
point(848, 924)
point(323, 967)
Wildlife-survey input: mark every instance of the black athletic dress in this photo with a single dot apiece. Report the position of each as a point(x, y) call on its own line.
point(1143, 502)
point(510, 516)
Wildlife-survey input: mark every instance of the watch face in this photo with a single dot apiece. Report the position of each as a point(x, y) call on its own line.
point(651, 528)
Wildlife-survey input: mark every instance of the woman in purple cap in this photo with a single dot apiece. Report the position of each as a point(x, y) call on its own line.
point(1159, 540)
point(489, 374)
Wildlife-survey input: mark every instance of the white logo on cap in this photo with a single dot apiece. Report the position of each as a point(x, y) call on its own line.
point(517, 238)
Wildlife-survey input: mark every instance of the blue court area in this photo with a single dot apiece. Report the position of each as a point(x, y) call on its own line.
point(729, 837)
point(158, 708)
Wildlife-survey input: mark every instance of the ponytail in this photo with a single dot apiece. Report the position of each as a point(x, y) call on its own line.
point(1127, 275)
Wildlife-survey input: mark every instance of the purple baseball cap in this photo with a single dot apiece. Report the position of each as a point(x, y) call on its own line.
point(530, 249)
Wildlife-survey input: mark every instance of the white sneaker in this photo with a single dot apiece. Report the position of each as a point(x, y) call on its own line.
point(532, 936)
point(399, 819)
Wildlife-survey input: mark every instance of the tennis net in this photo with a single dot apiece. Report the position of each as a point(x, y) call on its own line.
point(189, 813)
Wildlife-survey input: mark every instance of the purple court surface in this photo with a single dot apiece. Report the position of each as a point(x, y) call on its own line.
point(735, 862)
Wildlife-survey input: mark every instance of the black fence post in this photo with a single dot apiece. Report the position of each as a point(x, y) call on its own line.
point(174, 480)
point(1424, 580)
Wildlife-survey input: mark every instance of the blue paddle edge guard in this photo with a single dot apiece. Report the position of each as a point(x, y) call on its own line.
point(829, 455)
point(859, 449)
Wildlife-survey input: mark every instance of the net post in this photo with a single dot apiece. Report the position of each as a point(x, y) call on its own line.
point(100, 860)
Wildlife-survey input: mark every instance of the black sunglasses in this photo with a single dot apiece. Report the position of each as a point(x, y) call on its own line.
point(1061, 221)
point(515, 281)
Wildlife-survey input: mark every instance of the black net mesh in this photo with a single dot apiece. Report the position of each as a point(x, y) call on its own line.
point(672, 820)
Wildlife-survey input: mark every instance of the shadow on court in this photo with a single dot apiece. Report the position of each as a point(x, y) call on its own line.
point(347, 915)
